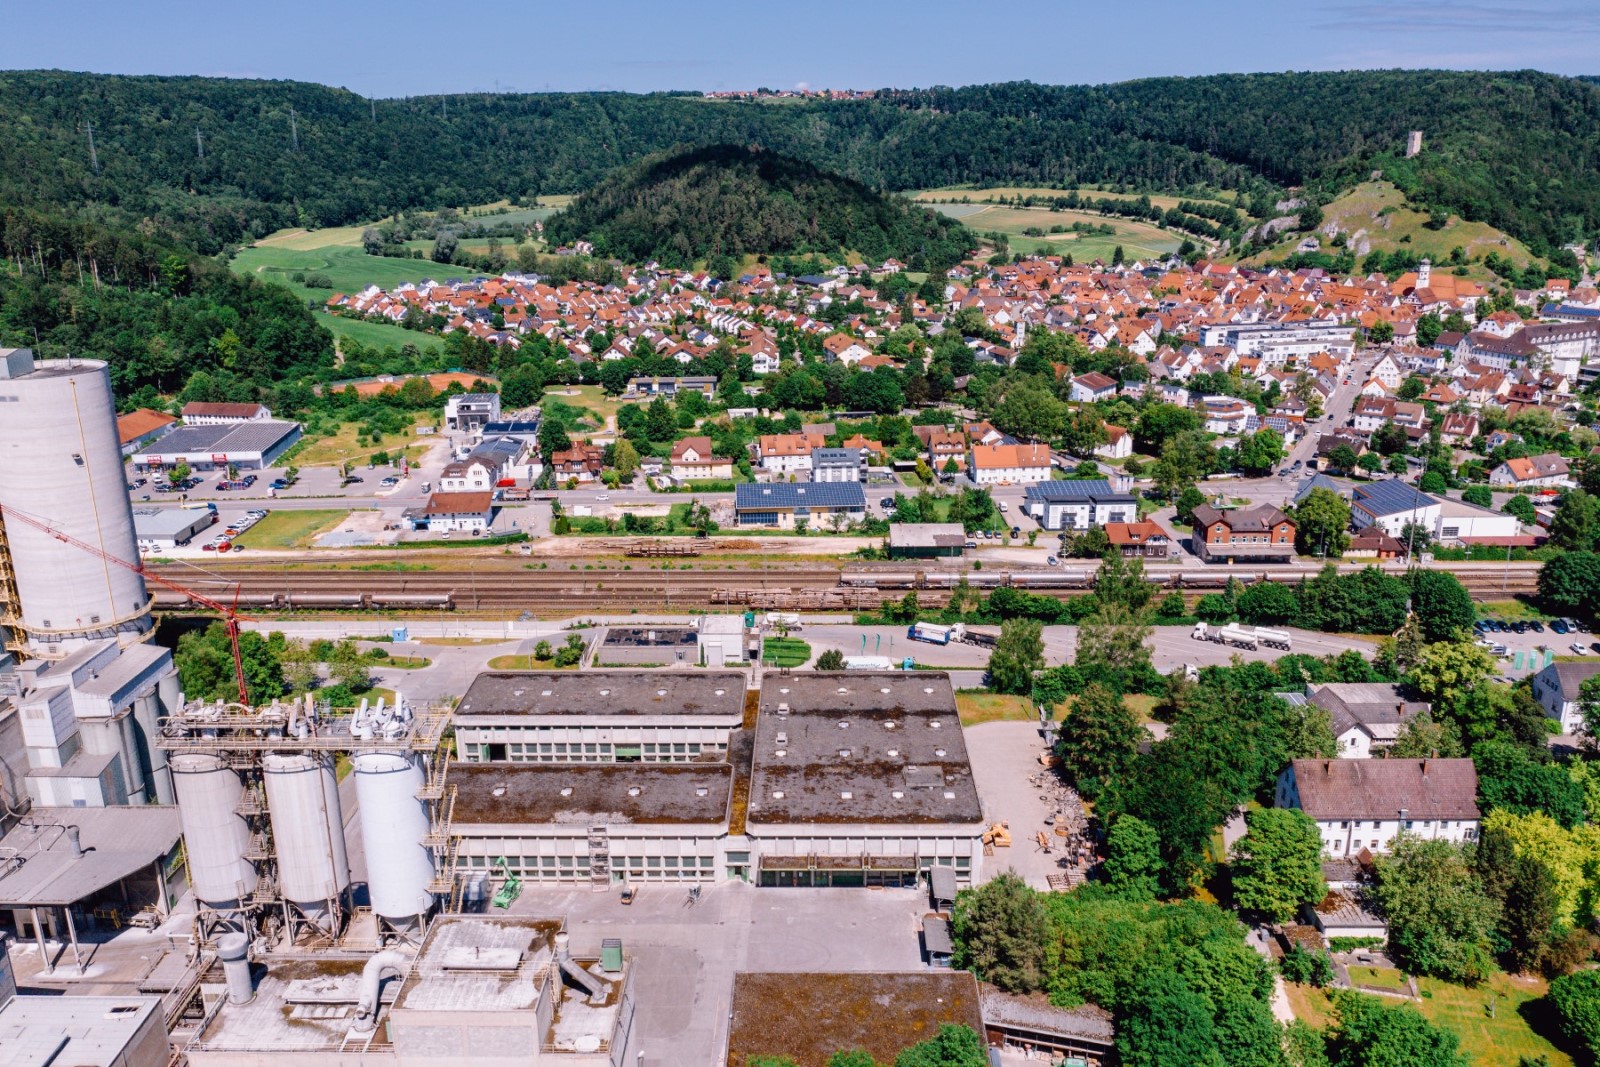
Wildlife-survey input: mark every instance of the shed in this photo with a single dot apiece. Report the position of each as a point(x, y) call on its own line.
point(937, 941)
point(942, 886)
point(926, 540)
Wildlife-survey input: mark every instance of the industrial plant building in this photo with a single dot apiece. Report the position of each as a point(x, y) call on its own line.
point(246, 445)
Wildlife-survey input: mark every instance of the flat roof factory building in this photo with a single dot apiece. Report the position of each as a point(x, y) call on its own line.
point(247, 445)
point(171, 527)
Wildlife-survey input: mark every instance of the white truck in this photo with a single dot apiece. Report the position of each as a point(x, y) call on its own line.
point(1237, 636)
point(783, 618)
point(936, 633)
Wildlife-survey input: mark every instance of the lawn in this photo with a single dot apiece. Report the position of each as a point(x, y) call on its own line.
point(526, 663)
point(342, 447)
point(591, 398)
point(1510, 611)
point(1137, 239)
point(1379, 978)
point(959, 192)
point(348, 268)
point(978, 705)
point(1522, 1025)
point(402, 663)
point(378, 334)
point(291, 529)
point(785, 652)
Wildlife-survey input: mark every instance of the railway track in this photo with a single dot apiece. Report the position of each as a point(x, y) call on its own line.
point(506, 591)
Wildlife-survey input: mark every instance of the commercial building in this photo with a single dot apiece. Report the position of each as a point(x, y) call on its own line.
point(725, 642)
point(926, 540)
point(252, 445)
point(861, 778)
point(454, 512)
point(470, 412)
point(648, 646)
point(171, 527)
point(821, 505)
point(1362, 804)
point(599, 716)
point(1260, 534)
point(1277, 343)
point(1078, 504)
point(43, 1031)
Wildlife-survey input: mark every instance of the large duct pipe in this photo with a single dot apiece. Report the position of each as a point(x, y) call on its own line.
point(389, 961)
point(595, 987)
point(234, 951)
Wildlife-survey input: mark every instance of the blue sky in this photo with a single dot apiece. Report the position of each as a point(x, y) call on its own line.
point(402, 48)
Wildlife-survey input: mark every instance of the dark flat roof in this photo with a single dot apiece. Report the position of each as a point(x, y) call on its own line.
point(899, 755)
point(580, 795)
point(809, 1017)
point(605, 693)
point(651, 637)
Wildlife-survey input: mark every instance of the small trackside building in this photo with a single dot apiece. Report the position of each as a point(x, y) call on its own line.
point(926, 540)
point(452, 512)
point(861, 778)
point(1365, 803)
point(785, 504)
point(1078, 504)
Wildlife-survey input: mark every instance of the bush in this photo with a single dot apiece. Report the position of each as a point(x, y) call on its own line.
point(1214, 608)
point(1306, 968)
point(1576, 998)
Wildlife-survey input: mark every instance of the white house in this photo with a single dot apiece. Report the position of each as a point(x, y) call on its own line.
point(1363, 804)
point(843, 348)
point(786, 453)
point(1531, 472)
point(1119, 443)
point(1225, 414)
point(1009, 464)
point(453, 512)
point(1366, 716)
point(1387, 370)
point(1087, 388)
point(1556, 688)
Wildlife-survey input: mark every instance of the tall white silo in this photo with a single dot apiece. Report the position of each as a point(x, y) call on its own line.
point(307, 833)
point(61, 463)
point(215, 835)
point(393, 825)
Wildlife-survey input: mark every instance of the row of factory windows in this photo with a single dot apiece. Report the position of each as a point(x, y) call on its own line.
point(557, 867)
point(587, 752)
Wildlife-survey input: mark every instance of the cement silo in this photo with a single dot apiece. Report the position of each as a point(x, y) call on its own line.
point(215, 835)
point(61, 463)
point(393, 825)
point(307, 833)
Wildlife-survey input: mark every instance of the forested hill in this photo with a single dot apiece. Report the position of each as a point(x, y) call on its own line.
point(1518, 150)
point(727, 200)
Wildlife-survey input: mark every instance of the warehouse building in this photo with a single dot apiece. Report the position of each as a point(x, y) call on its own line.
point(861, 778)
point(40, 1031)
point(599, 717)
point(170, 527)
point(253, 445)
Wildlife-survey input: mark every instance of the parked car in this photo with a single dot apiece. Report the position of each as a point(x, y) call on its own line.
point(1578, 650)
point(1560, 626)
point(1052, 561)
point(971, 544)
point(1536, 626)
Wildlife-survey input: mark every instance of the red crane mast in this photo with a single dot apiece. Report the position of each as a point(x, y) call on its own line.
point(229, 613)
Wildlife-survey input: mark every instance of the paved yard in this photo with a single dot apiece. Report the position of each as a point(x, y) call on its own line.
point(1004, 755)
point(684, 958)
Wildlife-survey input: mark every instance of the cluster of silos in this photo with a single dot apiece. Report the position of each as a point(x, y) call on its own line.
point(307, 833)
point(61, 463)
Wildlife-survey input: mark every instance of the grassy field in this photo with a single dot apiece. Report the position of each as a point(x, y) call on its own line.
point(1139, 240)
point(347, 267)
point(341, 447)
point(590, 397)
point(1510, 611)
point(526, 663)
point(978, 706)
point(378, 334)
point(1522, 1023)
point(290, 529)
point(1379, 978)
point(784, 652)
point(402, 663)
point(960, 192)
point(1380, 209)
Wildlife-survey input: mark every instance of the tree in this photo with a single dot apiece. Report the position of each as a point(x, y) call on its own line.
point(1342, 458)
point(1188, 500)
point(1114, 638)
point(1267, 603)
point(1133, 858)
point(1442, 604)
point(204, 659)
point(1001, 930)
point(348, 668)
point(1030, 411)
point(953, 1046)
point(1479, 495)
point(1017, 654)
point(624, 460)
point(855, 1057)
point(553, 437)
point(1576, 998)
point(1370, 462)
point(1433, 482)
point(1448, 673)
point(1519, 506)
point(1369, 1034)
point(1429, 327)
point(1169, 1024)
point(1277, 864)
point(1120, 580)
point(1322, 524)
point(181, 472)
point(1567, 582)
point(1099, 739)
point(1257, 453)
point(1576, 523)
point(1439, 916)
point(1185, 459)
point(371, 242)
point(831, 660)
point(444, 246)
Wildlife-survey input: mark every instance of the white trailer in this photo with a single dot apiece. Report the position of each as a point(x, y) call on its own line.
point(1280, 639)
point(783, 618)
point(936, 633)
point(1251, 637)
point(1237, 636)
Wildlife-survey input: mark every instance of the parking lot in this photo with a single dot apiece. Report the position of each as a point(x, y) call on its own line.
point(1522, 653)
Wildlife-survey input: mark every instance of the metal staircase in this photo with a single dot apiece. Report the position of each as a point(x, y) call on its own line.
point(599, 858)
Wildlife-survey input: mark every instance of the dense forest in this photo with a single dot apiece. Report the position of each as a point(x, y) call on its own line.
point(725, 201)
point(224, 160)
